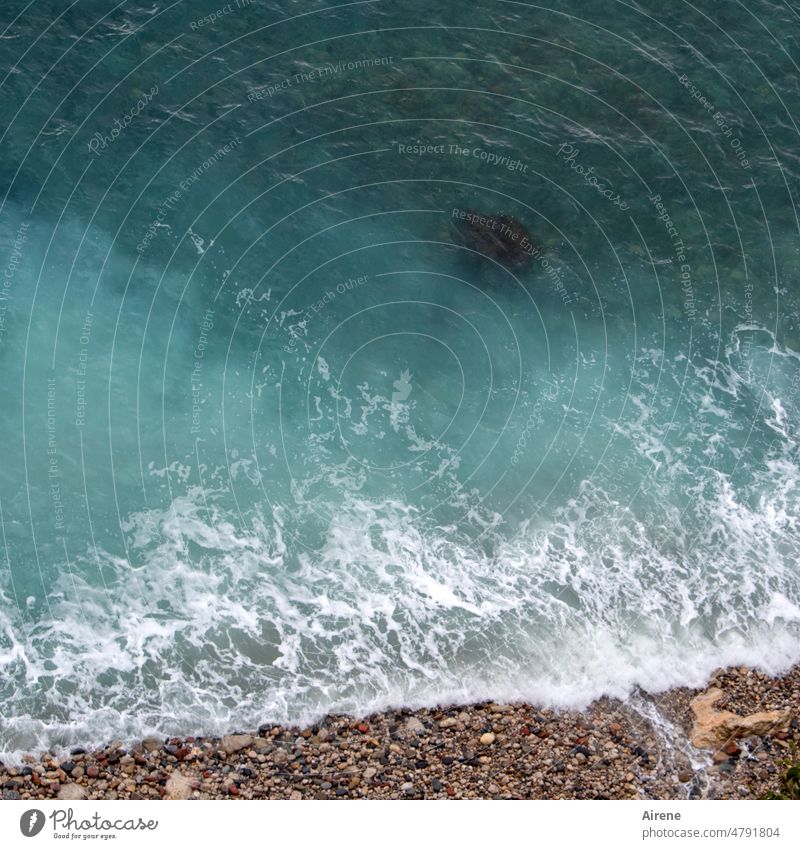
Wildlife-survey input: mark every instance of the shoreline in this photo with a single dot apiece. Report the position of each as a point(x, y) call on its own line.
point(637, 749)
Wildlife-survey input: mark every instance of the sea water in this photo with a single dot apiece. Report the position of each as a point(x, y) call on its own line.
point(277, 443)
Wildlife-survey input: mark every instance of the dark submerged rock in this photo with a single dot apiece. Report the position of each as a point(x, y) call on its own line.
point(498, 236)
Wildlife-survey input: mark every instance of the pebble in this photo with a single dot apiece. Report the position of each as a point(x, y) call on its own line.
point(487, 739)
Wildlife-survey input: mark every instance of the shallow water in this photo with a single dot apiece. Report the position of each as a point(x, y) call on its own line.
point(277, 444)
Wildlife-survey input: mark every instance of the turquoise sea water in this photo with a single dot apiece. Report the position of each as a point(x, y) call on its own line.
point(276, 443)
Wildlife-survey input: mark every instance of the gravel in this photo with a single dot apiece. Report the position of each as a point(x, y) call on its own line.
point(613, 750)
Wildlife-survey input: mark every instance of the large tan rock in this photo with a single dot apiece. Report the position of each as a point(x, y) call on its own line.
point(152, 744)
point(414, 726)
point(233, 743)
point(714, 728)
point(179, 786)
point(71, 792)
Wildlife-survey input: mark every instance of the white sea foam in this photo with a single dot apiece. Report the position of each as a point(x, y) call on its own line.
point(217, 627)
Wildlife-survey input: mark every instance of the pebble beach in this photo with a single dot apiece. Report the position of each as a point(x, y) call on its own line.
point(639, 749)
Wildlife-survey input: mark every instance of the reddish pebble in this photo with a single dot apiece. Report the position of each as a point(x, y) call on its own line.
point(363, 728)
point(732, 748)
point(233, 790)
point(451, 791)
point(582, 741)
point(525, 731)
point(93, 772)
